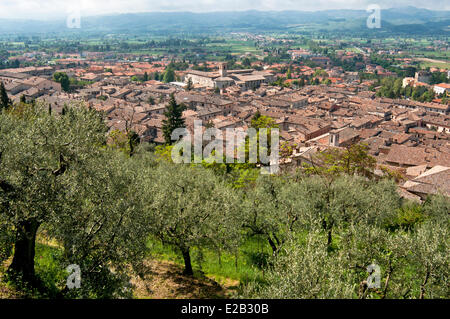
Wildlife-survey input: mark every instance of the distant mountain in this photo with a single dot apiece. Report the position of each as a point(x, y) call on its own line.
point(397, 20)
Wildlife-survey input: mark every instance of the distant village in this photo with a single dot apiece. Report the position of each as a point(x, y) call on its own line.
point(406, 136)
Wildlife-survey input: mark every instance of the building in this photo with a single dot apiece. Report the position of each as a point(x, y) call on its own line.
point(246, 79)
point(433, 181)
point(17, 84)
point(422, 76)
point(408, 81)
point(441, 88)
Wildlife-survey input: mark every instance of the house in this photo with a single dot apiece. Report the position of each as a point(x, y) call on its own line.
point(306, 128)
point(408, 81)
point(321, 61)
point(441, 88)
point(436, 108)
point(434, 181)
point(404, 156)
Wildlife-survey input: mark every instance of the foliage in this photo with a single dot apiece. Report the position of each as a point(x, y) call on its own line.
point(392, 88)
point(303, 271)
point(5, 102)
point(63, 79)
point(169, 75)
point(192, 208)
point(174, 119)
point(353, 160)
point(56, 176)
point(316, 231)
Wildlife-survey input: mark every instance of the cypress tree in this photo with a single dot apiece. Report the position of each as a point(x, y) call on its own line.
point(5, 102)
point(169, 75)
point(190, 85)
point(174, 119)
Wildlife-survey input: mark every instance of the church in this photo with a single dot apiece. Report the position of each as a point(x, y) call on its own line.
point(247, 79)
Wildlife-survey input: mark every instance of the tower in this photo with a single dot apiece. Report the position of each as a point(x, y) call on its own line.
point(334, 138)
point(223, 67)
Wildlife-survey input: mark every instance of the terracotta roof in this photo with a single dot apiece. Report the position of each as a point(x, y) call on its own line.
point(405, 155)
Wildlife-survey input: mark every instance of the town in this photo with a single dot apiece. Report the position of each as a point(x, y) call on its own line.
point(318, 102)
point(169, 150)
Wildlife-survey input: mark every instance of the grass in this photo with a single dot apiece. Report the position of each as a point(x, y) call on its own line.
point(49, 268)
point(229, 270)
point(243, 266)
point(424, 65)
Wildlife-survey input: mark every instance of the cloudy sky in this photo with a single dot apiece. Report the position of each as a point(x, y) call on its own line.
point(49, 9)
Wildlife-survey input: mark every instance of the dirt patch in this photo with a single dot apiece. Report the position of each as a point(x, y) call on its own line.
point(165, 280)
point(431, 60)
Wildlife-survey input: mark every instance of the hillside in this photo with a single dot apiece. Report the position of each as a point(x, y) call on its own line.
point(398, 20)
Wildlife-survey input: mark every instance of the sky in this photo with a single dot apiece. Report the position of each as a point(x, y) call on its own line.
point(51, 9)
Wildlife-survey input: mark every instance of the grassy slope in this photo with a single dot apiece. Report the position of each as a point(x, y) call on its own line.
point(212, 279)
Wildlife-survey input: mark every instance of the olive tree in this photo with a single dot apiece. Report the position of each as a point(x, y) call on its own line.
point(56, 175)
point(37, 149)
point(265, 213)
point(191, 207)
point(364, 245)
point(369, 261)
point(429, 255)
point(101, 225)
point(304, 270)
point(347, 199)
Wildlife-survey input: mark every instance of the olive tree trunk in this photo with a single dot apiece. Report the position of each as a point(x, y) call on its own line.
point(24, 250)
point(187, 261)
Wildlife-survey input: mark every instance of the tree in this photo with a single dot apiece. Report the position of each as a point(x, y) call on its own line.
point(5, 102)
point(289, 74)
point(246, 63)
point(302, 82)
point(56, 176)
point(63, 79)
point(303, 270)
point(102, 225)
point(126, 142)
point(266, 213)
point(192, 208)
point(174, 118)
point(351, 160)
point(411, 262)
point(261, 121)
point(31, 197)
point(430, 258)
point(169, 75)
point(190, 85)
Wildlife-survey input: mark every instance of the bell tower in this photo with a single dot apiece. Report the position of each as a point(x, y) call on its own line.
point(334, 138)
point(223, 68)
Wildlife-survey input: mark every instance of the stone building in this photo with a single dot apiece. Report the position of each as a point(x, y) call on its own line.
point(246, 79)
